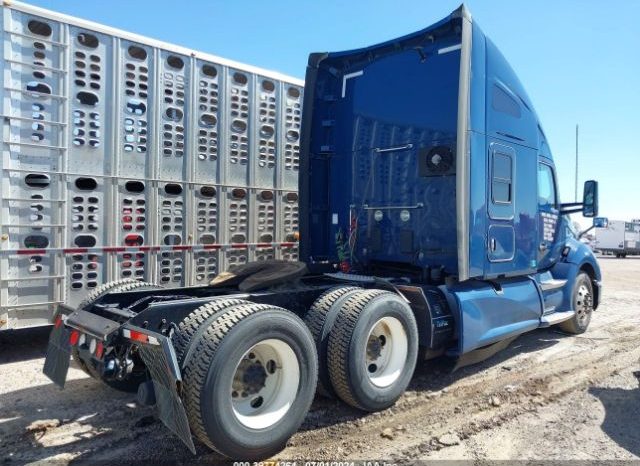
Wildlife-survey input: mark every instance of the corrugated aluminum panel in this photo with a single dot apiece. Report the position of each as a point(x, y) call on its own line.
point(128, 157)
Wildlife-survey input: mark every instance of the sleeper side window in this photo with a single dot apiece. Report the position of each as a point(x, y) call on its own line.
point(502, 178)
point(503, 102)
point(546, 186)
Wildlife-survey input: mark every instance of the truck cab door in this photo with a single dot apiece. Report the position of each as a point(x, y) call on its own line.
point(548, 215)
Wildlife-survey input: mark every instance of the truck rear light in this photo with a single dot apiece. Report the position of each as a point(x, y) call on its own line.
point(82, 339)
point(99, 350)
point(74, 337)
point(58, 322)
point(139, 336)
point(92, 346)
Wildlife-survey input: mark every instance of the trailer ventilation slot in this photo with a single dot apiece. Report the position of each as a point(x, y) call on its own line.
point(207, 120)
point(39, 28)
point(36, 242)
point(173, 189)
point(239, 126)
point(209, 70)
point(240, 78)
point(136, 107)
point(238, 238)
point(267, 131)
point(239, 193)
point(133, 240)
point(37, 180)
point(41, 88)
point(293, 92)
point(88, 40)
point(137, 52)
point(208, 191)
point(171, 240)
point(268, 86)
point(175, 62)
point(86, 184)
point(174, 114)
point(134, 186)
point(208, 239)
point(87, 98)
point(266, 196)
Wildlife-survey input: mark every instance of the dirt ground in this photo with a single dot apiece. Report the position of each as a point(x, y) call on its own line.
point(547, 396)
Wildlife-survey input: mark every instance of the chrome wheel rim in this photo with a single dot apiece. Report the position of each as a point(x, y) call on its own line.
point(584, 304)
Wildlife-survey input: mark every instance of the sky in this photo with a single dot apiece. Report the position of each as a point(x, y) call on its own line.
point(579, 60)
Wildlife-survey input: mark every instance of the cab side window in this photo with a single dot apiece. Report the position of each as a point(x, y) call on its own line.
point(501, 185)
point(546, 186)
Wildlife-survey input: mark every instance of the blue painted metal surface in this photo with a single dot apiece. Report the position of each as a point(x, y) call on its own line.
point(490, 315)
point(376, 111)
point(375, 122)
point(580, 258)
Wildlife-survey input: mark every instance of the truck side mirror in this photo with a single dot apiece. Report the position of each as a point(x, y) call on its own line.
point(590, 199)
point(601, 222)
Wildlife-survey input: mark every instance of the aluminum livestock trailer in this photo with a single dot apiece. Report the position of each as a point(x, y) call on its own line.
point(129, 158)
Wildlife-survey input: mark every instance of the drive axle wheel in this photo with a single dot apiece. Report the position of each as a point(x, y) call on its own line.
point(387, 348)
point(320, 319)
point(250, 380)
point(373, 349)
point(583, 305)
point(265, 384)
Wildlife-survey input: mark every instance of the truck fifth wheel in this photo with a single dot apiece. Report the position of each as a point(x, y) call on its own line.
point(430, 225)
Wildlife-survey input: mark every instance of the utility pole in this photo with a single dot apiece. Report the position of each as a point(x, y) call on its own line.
point(576, 200)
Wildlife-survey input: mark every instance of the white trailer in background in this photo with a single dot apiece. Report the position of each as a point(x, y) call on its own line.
point(125, 157)
point(619, 238)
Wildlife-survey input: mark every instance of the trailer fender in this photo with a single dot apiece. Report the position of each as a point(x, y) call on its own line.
point(160, 359)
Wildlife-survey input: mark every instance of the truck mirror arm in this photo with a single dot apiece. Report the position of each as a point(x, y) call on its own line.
point(571, 208)
point(584, 232)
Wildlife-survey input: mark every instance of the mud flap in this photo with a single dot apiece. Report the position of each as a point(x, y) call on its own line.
point(56, 363)
point(160, 359)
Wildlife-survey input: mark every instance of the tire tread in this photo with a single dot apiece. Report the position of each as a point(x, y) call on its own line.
point(193, 323)
point(196, 368)
point(315, 319)
point(340, 342)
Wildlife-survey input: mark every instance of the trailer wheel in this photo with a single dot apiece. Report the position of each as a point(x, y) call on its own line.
point(130, 384)
point(373, 349)
point(583, 304)
point(250, 381)
point(193, 326)
point(320, 319)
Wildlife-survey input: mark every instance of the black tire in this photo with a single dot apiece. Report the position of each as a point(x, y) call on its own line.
point(194, 325)
point(320, 319)
point(208, 377)
point(104, 289)
point(348, 349)
point(131, 383)
point(582, 300)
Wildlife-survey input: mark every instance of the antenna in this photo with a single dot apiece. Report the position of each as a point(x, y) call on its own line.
point(576, 195)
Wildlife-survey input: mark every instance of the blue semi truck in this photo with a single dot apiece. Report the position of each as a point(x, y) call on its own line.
point(430, 224)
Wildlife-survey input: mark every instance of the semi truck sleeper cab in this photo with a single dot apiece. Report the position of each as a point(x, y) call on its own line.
point(430, 223)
